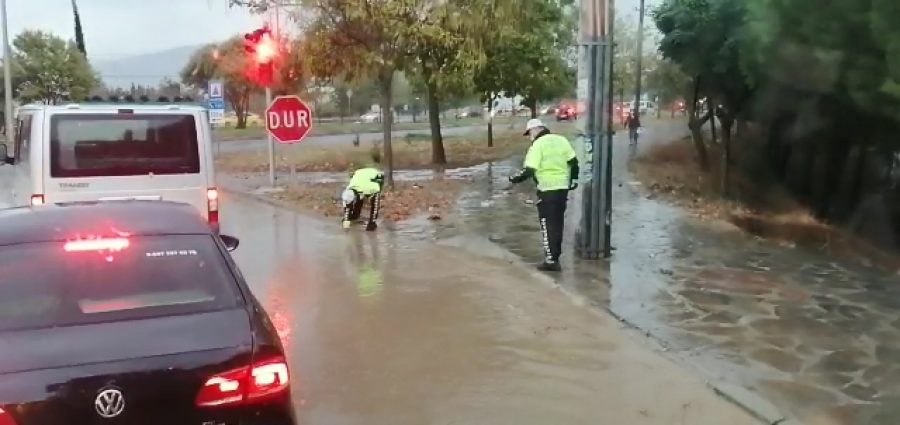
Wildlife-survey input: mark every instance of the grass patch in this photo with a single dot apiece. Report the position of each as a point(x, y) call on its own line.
point(412, 153)
point(225, 134)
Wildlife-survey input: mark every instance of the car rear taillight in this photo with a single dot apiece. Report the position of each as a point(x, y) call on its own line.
point(268, 379)
point(253, 384)
point(212, 205)
point(6, 418)
point(37, 200)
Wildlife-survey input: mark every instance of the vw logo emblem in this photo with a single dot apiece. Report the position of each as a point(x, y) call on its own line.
point(109, 403)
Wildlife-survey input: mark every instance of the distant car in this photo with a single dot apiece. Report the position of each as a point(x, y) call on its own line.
point(131, 312)
point(646, 107)
point(548, 110)
point(369, 117)
point(566, 113)
point(468, 113)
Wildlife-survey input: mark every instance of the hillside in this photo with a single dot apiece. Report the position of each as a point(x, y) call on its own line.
point(145, 69)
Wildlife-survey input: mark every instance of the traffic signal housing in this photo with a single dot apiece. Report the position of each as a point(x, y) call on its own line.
point(263, 56)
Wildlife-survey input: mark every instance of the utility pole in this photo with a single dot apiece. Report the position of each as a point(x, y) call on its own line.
point(593, 236)
point(7, 76)
point(640, 60)
point(270, 139)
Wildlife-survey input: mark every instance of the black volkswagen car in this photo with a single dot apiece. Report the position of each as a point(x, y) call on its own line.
point(131, 312)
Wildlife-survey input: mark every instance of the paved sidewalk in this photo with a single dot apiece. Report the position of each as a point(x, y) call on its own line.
point(818, 338)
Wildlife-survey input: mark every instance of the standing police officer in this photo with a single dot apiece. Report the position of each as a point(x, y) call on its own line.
point(553, 165)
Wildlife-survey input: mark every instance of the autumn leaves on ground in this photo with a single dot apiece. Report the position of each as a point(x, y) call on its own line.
point(759, 207)
point(432, 197)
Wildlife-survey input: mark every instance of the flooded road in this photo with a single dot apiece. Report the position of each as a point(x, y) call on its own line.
point(816, 337)
point(385, 329)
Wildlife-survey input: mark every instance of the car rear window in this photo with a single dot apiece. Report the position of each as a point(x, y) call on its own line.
point(58, 284)
point(93, 145)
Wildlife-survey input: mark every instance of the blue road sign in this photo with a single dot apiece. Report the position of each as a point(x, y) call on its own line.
point(215, 103)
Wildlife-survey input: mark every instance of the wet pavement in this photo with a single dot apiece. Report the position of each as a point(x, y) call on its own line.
point(816, 337)
point(383, 328)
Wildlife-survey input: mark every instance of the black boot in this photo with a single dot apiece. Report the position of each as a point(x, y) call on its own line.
point(549, 267)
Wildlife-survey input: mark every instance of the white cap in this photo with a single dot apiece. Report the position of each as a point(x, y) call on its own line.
point(348, 196)
point(532, 124)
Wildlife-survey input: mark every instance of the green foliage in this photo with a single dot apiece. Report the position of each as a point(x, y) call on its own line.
point(705, 38)
point(51, 69)
point(525, 50)
point(625, 36)
point(668, 81)
point(226, 61)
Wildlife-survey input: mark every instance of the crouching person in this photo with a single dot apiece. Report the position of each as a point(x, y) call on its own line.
point(365, 185)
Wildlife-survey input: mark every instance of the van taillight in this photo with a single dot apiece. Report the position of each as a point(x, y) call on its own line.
point(36, 200)
point(212, 205)
point(6, 418)
point(246, 385)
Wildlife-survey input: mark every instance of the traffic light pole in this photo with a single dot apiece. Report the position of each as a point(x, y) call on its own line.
point(271, 141)
point(7, 79)
point(594, 233)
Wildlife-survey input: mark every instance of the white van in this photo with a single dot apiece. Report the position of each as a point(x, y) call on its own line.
point(96, 152)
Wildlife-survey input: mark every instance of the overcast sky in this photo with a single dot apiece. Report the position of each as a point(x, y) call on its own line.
point(118, 28)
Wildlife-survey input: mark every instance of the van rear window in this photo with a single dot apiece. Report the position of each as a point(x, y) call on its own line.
point(95, 145)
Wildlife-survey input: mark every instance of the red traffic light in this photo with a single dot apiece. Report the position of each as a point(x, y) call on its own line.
point(260, 45)
point(264, 54)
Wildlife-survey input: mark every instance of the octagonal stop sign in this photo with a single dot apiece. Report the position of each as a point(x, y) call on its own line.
point(288, 119)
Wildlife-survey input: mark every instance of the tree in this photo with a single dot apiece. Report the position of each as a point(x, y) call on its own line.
point(704, 38)
point(228, 62)
point(51, 68)
point(79, 33)
point(547, 34)
point(669, 83)
point(354, 39)
point(524, 45)
point(444, 58)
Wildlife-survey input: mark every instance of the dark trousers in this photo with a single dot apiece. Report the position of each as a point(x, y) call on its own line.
point(552, 214)
point(353, 210)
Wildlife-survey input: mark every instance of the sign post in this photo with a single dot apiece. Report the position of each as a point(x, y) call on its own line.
point(216, 101)
point(288, 119)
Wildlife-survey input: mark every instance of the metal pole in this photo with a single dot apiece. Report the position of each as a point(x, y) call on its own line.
point(7, 75)
point(269, 102)
point(640, 57)
point(271, 144)
point(606, 205)
point(594, 233)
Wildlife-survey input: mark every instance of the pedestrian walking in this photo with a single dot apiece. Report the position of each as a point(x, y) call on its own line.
point(552, 164)
point(633, 123)
point(365, 184)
